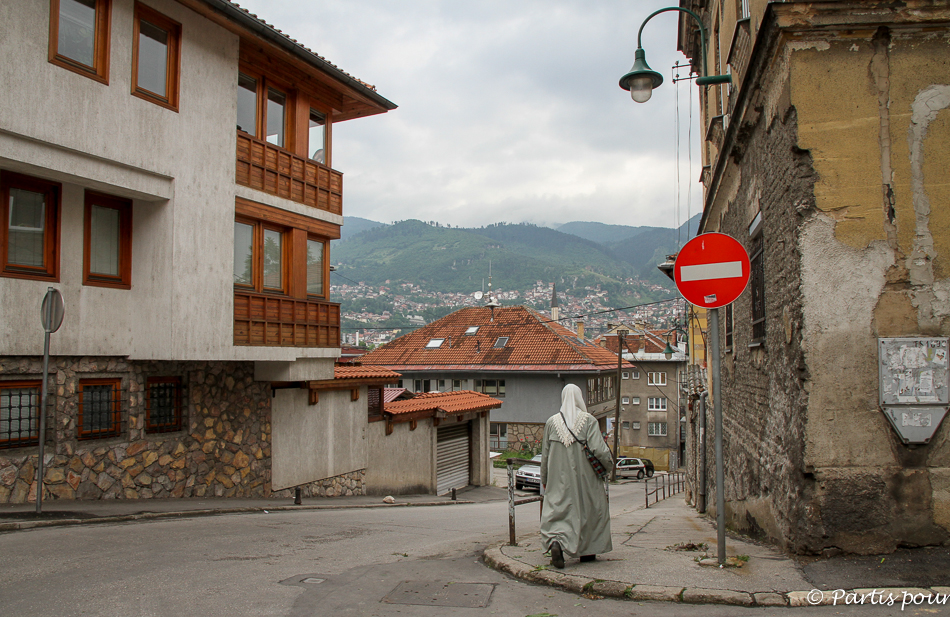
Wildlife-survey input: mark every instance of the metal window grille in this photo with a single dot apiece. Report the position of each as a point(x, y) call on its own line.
point(757, 267)
point(100, 408)
point(19, 414)
point(744, 9)
point(657, 429)
point(163, 404)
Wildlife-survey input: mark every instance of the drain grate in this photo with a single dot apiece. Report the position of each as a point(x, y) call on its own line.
point(435, 593)
point(304, 580)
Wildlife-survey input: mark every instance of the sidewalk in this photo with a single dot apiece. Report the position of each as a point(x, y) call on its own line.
point(646, 565)
point(15, 517)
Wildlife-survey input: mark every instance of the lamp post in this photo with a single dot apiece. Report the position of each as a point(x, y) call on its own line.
point(669, 351)
point(640, 80)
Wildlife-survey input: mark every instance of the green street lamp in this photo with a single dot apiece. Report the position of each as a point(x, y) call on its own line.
point(669, 351)
point(641, 79)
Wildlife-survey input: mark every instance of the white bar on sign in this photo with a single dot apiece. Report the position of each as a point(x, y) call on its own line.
point(706, 272)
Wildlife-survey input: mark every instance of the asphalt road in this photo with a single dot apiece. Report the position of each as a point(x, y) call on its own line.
point(406, 561)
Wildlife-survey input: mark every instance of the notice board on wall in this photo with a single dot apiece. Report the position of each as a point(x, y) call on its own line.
point(914, 371)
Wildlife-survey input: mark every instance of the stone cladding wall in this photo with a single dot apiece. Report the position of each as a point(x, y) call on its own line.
point(527, 436)
point(223, 449)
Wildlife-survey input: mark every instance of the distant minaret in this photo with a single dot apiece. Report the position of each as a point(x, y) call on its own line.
point(555, 309)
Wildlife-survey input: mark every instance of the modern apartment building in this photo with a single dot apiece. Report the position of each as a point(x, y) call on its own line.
point(167, 166)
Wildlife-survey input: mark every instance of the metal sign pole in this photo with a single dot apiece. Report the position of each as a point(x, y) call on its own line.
point(47, 320)
point(717, 410)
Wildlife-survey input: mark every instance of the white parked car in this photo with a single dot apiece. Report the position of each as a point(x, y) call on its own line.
point(529, 474)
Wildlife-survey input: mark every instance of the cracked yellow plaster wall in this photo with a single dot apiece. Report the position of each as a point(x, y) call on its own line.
point(838, 122)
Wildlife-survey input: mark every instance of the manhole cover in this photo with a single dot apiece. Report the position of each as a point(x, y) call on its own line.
point(434, 593)
point(304, 580)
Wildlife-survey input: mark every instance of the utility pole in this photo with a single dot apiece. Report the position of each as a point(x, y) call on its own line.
point(621, 331)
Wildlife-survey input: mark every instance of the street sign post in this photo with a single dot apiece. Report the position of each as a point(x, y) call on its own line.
point(51, 316)
point(711, 271)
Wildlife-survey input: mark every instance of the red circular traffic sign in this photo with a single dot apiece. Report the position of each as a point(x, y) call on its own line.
point(711, 270)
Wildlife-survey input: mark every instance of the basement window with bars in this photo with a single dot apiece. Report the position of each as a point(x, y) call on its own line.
point(100, 408)
point(163, 405)
point(19, 413)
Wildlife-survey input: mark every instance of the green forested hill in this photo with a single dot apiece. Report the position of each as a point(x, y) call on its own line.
point(456, 260)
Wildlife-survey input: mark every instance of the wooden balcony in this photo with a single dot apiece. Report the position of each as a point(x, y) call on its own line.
point(274, 321)
point(273, 170)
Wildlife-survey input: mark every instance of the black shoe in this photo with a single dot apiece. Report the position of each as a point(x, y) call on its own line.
point(557, 555)
point(588, 558)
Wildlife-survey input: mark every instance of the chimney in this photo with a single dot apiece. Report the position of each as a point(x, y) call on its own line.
point(580, 330)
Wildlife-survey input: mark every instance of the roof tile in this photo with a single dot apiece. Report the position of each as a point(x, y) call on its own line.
point(533, 342)
point(459, 401)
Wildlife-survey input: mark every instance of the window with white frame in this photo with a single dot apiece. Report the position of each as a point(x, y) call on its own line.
point(657, 429)
point(656, 403)
point(656, 379)
point(636, 426)
point(625, 400)
point(635, 400)
point(626, 375)
point(635, 374)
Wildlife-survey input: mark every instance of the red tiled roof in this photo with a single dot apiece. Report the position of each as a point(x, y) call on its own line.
point(637, 343)
point(459, 401)
point(535, 343)
point(363, 372)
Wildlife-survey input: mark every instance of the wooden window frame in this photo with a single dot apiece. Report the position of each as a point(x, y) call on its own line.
point(116, 425)
point(325, 292)
point(124, 279)
point(173, 57)
point(21, 442)
point(51, 234)
point(257, 259)
point(264, 84)
point(177, 422)
point(100, 69)
point(296, 114)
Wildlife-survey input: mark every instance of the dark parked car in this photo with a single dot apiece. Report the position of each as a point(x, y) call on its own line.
point(648, 466)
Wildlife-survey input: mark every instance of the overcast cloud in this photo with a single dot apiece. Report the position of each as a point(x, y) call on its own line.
point(508, 110)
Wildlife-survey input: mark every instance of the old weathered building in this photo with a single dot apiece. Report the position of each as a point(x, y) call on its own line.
point(827, 158)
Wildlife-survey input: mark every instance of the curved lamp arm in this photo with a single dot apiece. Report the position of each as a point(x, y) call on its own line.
point(641, 79)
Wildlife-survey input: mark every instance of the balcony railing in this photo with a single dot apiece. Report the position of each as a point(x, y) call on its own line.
point(274, 321)
point(268, 168)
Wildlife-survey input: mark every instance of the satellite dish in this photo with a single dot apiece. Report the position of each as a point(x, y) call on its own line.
point(478, 295)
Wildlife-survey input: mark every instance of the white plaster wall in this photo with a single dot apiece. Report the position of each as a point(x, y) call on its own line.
point(403, 462)
point(178, 167)
point(313, 442)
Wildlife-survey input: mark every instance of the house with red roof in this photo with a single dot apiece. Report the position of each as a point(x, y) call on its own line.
point(513, 354)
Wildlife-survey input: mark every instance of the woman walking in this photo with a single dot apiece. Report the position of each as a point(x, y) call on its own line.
point(575, 519)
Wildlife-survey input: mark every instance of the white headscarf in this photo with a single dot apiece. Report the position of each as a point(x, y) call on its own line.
point(573, 411)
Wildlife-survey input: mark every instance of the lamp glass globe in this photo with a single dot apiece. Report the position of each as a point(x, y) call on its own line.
point(641, 89)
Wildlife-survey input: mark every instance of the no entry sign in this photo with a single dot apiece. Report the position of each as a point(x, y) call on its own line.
point(711, 270)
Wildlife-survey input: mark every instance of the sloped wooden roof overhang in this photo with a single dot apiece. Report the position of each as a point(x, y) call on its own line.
point(439, 405)
point(358, 99)
point(351, 377)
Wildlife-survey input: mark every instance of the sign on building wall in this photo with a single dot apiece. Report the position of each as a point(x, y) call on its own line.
point(914, 379)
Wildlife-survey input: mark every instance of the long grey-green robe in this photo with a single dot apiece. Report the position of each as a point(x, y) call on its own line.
point(575, 510)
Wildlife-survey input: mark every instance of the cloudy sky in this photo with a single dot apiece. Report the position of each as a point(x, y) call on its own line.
point(508, 110)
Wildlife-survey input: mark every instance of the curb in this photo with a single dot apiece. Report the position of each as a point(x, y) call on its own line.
point(496, 559)
point(148, 516)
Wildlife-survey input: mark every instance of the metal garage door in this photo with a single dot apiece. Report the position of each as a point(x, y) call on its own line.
point(452, 467)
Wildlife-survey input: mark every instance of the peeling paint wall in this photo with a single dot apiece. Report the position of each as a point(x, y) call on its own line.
point(851, 110)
